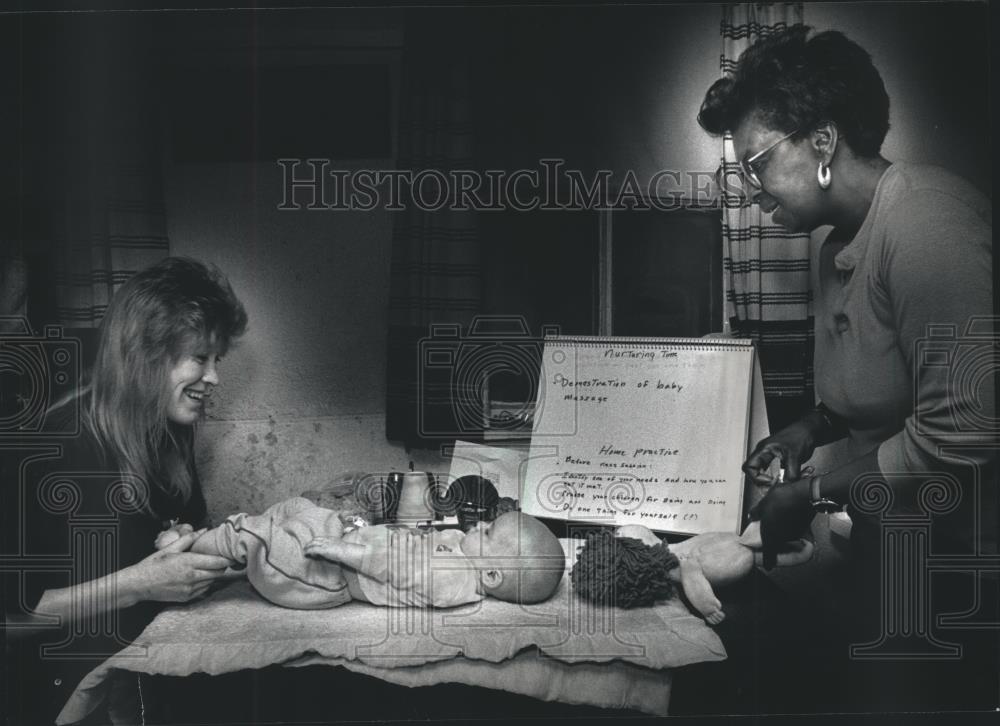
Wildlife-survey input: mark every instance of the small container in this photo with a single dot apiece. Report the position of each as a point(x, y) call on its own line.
point(472, 513)
point(415, 499)
point(475, 499)
point(391, 492)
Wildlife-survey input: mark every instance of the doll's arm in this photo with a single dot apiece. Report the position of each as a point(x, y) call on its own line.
point(795, 552)
point(371, 558)
point(337, 550)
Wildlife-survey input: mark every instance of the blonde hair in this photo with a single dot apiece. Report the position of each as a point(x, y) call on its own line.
point(151, 321)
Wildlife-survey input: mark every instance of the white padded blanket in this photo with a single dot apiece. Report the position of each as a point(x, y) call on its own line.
point(564, 649)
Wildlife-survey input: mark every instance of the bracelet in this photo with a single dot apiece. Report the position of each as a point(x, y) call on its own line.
point(819, 502)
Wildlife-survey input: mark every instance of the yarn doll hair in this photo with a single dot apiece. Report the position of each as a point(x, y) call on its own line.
point(623, 571)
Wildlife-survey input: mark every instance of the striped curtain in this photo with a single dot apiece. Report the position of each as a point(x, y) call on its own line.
point(111, 222)
point(436, 272)
point(766, 269)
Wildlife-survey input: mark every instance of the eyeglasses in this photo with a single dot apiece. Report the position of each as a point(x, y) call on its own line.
point(746, 165)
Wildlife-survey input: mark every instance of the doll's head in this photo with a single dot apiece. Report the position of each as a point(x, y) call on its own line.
point(623, 571)
point(518, 558)
point(633, 567)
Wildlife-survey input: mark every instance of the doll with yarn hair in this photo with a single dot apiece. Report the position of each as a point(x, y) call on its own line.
point(634, 568)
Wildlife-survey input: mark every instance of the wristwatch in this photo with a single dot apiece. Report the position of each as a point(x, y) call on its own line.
point(819, 502)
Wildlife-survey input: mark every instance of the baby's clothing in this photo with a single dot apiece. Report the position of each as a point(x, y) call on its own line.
point(421, 567)
point(417, 567)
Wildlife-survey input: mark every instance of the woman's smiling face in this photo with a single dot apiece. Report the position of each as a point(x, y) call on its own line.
point(787, 173)
point(191, 380)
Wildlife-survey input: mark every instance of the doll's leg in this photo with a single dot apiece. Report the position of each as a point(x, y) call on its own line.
point(699, 591)
point(276, 563)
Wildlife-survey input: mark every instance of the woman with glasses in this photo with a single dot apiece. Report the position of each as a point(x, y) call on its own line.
point(904, 271)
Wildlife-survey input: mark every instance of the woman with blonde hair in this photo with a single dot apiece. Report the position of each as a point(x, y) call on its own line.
point(126, 476)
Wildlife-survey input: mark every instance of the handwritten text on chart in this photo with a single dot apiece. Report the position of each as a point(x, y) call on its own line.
point(591, 496)
point(640, 354)
point(643, 432)
point(597, 480)
point(561, 381)
point(602, 483)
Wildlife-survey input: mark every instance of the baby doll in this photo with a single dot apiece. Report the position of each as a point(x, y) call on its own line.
point(299, 555)
point(635, 568)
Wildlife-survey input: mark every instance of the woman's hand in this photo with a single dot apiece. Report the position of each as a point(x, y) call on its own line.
point(169, 536)
point(173, 574)
point(785, 514)
point(793, 445)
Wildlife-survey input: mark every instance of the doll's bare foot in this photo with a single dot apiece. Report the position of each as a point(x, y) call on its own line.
point(715, 618)
point(699, 591)
point(171, 535)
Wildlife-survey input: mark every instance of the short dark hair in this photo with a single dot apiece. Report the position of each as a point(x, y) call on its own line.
point(623, 571)
point(795, 82)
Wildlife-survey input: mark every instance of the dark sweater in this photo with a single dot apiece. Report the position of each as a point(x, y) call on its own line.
point(67, 520)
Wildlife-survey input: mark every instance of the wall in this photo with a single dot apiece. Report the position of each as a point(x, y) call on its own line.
point(671, 59)
point(601, 88)
point(303, 395)
point(934, 60)
point(612, 87)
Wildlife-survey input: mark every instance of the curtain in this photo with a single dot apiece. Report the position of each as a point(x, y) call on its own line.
point(110, 222)
point(435, 269)
point(766, 269)
point(13, 291)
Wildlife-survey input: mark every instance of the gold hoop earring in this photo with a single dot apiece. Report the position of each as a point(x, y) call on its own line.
point(824, 176)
